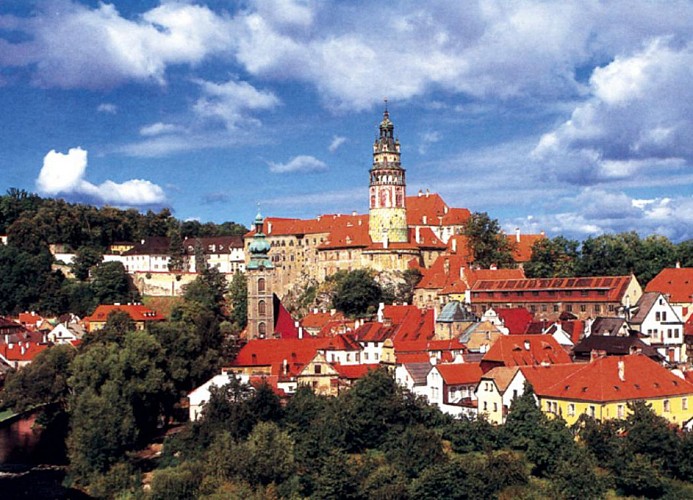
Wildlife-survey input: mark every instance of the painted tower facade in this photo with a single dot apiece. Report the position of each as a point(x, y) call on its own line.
point(387, 210)
point(260, 293)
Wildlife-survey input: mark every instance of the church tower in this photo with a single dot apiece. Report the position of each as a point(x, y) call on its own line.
point(387, 211)
point(260, 293)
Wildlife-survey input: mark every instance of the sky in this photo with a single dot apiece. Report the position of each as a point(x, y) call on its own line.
point(573, 117)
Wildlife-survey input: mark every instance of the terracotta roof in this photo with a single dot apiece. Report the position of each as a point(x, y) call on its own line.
point(618, 378)
point(677, 283)
point(445, 269)
point(137, 312)
point(341, 342)
point(22, 351)
point(598, 289)
point(523, 350)
point(646, 301)
point(373, 332)
point(284, 324)
point(544, 376)
point(273, 353)
point(460, 373)
point(436, 211)
point(318, 319)
point(522, 249)
point(502, 376)
point(29, 319)
point(688, 326)
point(515, 319)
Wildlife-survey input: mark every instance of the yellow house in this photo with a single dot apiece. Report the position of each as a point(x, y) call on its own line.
point(604, 387)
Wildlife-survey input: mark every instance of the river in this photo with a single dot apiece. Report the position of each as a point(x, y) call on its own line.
point(32, 461)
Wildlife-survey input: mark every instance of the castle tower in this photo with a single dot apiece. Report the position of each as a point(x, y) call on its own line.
point(260, 293)
point(387, 211)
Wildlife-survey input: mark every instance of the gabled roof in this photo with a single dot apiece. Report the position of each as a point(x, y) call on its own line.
point(22, 351)
point(522, 245)
point(373, 332)
point(608, 326)
point(502, 376)
point(469, 276)
point(675, 282)
point(526, 350)
point(418, 370)
point(341, 342)
point(435, 210)
point(453, 312)
point(153, 245)
point(29, 319)
point(618, 378)
point(460, 373)
point(515, 319)
point(273, 353)
point(645, 303)
point(137, 312)
point(542, 377)
point(318, 319)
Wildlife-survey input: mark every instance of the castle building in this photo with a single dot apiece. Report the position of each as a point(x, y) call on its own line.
point(399, 231)
point(259, 272)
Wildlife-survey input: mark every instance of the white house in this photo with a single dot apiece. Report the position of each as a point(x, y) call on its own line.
point(452, 387)
point(200, 396)
point(659, 320)
point(413, 376)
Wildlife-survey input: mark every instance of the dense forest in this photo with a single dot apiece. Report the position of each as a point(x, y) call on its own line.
point(32, 223)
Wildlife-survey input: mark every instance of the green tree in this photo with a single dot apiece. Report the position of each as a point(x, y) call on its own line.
point(487, 243)
point(86, 258)
point(176, 251)
point(42, 382)
point(238, 295)
point(684, 253)
point(111, 284)
point(553, 258)
point(405, 290)
point(414, 449)
point(269, 454)
point(357, 293)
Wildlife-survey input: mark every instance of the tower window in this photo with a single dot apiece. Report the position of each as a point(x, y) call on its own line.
point(261, 308)
point(262, 329)
point(261, 284)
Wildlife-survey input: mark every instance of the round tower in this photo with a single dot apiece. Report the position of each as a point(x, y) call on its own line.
point(387, 210)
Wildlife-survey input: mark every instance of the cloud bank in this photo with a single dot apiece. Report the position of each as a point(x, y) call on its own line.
point(301, 163)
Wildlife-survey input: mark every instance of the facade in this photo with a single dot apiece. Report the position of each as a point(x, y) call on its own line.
point(550, 298)
point(659, 321)
point(140, 315)
point(677, 284)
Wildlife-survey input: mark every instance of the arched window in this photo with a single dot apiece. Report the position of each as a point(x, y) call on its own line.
point(262, 329)
point(261, 309)
point(261, 284)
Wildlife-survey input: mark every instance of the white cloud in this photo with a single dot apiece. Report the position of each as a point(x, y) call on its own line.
point(337, 141)
point(231, 101)
point(107, 107)
point(63, 174)
point(428, 138)
point(301, 163)
point(159, 129)
point(636, 122)
point(73, 46)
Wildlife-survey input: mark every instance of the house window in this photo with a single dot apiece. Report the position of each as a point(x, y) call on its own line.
point(583, 308)
point(556, 308)
point(658, 316)
point(495, 406)
point(569, 307)
point(664, 315)
point(485, 406)
point(684, 403)
point(611, 308)
point(597, 308)
point(318, 369)
point(667, 405)
point(571, 409)
point(619, 411)
point(593, 412)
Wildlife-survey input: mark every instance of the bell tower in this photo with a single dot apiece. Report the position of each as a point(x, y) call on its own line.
point(387, 210)
point(260, 293)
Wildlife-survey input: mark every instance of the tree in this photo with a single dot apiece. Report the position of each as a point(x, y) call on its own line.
point(85, 259)
point(238, 295)
point(553, 258)
point(405, 290)
point(487, 243)
point(201, 264)
point(44, 381)
point(357, 293)
point(176, 252)
point(270, 454)
point(414, 449)
point(111, 284)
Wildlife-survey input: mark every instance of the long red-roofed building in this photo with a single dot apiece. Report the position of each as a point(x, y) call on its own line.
point(524, 350)
point(141, 315)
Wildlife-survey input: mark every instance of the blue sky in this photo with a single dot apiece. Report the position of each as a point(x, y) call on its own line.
point(569, 117)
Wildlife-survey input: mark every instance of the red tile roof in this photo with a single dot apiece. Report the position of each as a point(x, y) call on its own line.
point(526, 350)
point(675, 282)
point(29, 319)
point(273, 353)
point(436, 211)
point(522, 250)
point(606, 379)
point(22, 351)
point(284, 324)
point(137, 312)
point(515, 319)
point(318, 319)
point(460, 373)
point(612, 287)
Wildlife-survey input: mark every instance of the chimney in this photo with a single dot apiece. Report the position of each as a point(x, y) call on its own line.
point(424, 219)
point(454, 245)
point(427, 193)
point(333, 312)
point(621, 371)
point(433, 359)
point(678, 264)
point(420, 193)
point(418, 234)
point(353, 213)
point(269, 227)
point(381, 311)
point(527, 345)
point(285, 366)
point(517, 234)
